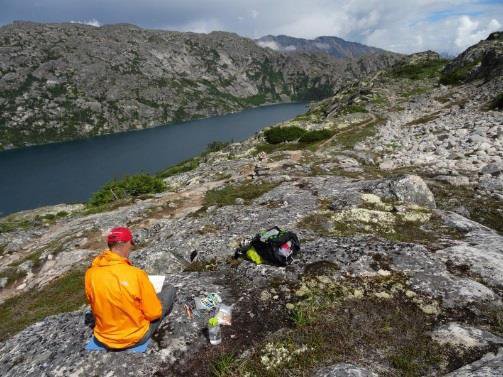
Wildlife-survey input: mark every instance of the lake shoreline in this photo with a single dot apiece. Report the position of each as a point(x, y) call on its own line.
point(69, 172)
point(268, 104)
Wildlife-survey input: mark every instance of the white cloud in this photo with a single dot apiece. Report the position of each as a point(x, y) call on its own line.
point(92, 22)
point(290, 48)
point(411, 26)
point(198, 26)
point(270, 44)
point(400, 25)
point(469, 31)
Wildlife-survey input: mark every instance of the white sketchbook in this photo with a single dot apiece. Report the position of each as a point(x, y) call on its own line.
point(157, 281)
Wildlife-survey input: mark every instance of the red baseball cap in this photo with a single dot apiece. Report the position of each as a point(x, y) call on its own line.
point(120, 234)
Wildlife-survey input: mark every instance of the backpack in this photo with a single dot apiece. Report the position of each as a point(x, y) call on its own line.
point(276, 246)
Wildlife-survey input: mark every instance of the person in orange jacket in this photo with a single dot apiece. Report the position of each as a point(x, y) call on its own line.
point(126, 309)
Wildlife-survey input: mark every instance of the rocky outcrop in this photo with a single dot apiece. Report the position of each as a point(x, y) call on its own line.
point(65, 81)
point(481, 61)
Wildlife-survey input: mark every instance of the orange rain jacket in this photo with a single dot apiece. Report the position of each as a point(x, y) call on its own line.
point(122, 298)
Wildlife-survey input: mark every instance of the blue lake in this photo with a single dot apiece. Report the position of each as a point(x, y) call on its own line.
point(69, 172)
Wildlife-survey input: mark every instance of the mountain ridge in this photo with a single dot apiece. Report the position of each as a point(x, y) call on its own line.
point(331, 45)
point(67, 81)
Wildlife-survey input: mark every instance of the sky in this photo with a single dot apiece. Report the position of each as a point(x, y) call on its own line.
point(406, 26)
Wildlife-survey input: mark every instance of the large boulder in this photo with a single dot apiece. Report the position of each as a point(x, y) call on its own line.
point(408, 189)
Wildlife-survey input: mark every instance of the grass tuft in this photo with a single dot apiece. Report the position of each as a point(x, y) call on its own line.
point(181, 167)
point(229, 194)
point(352, 137)
point(62, 295)
point(420, 71)
point(223, 366)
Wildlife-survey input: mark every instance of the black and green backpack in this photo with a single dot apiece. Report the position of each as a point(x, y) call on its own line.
point(275, 245)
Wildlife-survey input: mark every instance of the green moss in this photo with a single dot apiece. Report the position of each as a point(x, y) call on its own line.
point(229, 194)
point(62, 295)
point(128, 187)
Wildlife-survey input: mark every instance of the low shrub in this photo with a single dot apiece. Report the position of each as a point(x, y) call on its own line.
point(315, 136)
point(128, 187)
point(497, 103)
point(181, 167)
point(277, 135)
point(452, 78)
point(215, 146)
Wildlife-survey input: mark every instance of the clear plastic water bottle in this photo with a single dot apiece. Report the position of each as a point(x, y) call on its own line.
point(214, 332)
